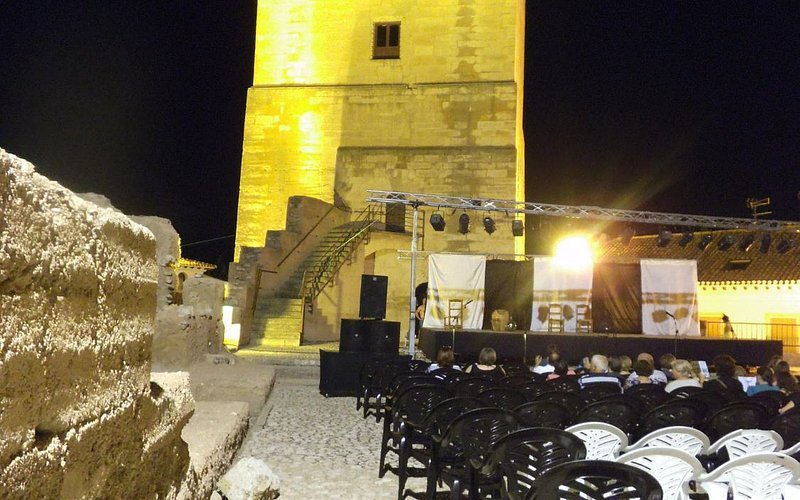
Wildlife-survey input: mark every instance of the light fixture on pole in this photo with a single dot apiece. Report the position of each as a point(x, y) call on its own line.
point(705, 241)
point(517, 227)
point(488, 225)
point(664, 237)
point(463, 224)
point(437, 222)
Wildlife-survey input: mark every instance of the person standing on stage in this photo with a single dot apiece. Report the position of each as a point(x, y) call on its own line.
point(727, 330)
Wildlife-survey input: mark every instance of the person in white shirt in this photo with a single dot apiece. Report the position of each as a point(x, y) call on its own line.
point(684, 374)
point(658, 377)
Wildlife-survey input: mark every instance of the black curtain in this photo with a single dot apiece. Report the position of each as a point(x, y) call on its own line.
point(509, 286)
point(617, 298)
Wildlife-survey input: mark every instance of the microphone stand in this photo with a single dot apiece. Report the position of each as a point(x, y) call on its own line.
point(675, 348)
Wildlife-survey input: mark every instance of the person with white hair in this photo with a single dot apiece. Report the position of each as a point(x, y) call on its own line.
point(598, 372)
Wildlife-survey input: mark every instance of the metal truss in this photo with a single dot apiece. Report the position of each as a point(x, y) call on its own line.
point(578, 212)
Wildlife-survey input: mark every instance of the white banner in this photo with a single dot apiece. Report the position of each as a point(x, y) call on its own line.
point(669, 297)
point(557, 285)
point(455, 291)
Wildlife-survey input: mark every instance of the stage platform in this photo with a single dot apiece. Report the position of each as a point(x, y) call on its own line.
point(512, 346)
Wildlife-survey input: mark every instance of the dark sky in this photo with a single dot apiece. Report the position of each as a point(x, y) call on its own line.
point(687, 107)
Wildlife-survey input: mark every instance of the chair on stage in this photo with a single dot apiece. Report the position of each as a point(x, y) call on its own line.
point(555, 318)
point(455, 314)
point(583, 318)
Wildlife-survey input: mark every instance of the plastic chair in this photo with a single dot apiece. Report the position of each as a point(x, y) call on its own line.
point(514, 380)
point(788, 426)
point(517, 368)
point(773, 401)
point(564, 384)
point(594, 479)
point(734, 416)
point(758, 476)
point(503, 397)
point(599, 390)
point(471, 436)
point(603, 441)
point(650, 394)
point(571, 400)
point(674, 412)
point(523, 455)
point(619, 413)
point(685, 392)
point(687, 439)
point(544, 414)
point(740, 443)
point(672, 468)
point(533, 389)
point(471, 387)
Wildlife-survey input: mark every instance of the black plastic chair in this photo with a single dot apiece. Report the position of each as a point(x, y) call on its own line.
point(650, 394)
point(773, 401)
point(471, 387)
point(515, 380)
point(472, 434)
point(571, 400)
point(503, 397)
point(619, 413)
point(685, 392)
point(735, 416)
point(564, 384)
point(523, 455)
point(677, 411)
point(449, 375)
point(516, 368)
point(414, 405)
point(641, 408)
point(594, 479)
point(788, 426)
point(598, 390)
point(533, 389)
point(371, 382)
point(545, 414)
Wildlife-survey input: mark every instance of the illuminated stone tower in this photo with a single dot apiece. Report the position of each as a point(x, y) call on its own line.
point(406, 95)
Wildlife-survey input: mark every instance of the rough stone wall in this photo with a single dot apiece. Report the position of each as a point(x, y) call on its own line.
point(79, 416)
point(168, 251)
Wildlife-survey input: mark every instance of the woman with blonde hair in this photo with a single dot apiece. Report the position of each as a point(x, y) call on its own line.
point(684, 376)
point(486, 365)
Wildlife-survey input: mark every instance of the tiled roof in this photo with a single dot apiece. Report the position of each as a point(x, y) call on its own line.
point(714, 264)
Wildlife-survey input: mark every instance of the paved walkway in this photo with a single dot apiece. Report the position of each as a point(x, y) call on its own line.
point(319, 447)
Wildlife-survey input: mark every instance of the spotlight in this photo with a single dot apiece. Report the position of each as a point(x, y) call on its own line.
point(687, 237)
point(463, 224)
point(517, 227)
point(784, 245)
point(627, 234)
point(437, 222)
point(705, 241)
point(488, 224)
point(747, 242)
point(766, 241)
point(726, 242)
point(664, 238)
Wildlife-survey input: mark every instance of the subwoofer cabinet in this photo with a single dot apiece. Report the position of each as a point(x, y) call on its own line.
point(369, 335)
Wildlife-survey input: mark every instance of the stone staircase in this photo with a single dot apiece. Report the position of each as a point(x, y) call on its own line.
point(277, 321)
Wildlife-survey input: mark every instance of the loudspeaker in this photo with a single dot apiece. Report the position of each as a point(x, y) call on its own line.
point(353, 336)
point(339, 372)
point(373, 296)
point(383, 337)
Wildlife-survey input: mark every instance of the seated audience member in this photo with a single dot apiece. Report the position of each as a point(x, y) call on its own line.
point(725, 381)
point(598, 372)
point(445, 358)
point(665, 363)
point(782, 367)
point(765, 381)
point(643, 370)
point(774, 360)
point(789, 386)
point(486, 364)
point(626, 365)
point(684, 376)
point(658, 377)
point(560, 368)
point(740, 371)
point(546, 366)
point(615, 365)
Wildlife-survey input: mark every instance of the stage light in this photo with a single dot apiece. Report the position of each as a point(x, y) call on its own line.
point(784, 245)
point(747, 242)
point(488, 225)
point(687, 238)
point(463, 224)
point(574, 252)
point(437, 222)
point(726, 242)
point(766, 241)
point(627, 234)
point(664, 237)
point(517, 227)
point(705, 241)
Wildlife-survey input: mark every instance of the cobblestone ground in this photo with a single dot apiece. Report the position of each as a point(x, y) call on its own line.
point(319, 447)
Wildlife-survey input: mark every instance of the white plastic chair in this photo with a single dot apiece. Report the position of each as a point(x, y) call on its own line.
point(603, 441)
point(757, 476)
point(747, 441)
point(688, 439)
point(672, 468)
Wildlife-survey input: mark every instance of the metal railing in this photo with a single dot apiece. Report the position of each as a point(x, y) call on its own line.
point(787, 333)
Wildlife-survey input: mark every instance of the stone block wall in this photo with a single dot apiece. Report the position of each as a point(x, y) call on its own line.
point(79, 416)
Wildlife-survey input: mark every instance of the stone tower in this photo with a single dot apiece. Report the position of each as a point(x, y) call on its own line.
point(404, 95)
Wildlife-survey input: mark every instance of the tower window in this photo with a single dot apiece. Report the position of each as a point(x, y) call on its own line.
point(386, 41)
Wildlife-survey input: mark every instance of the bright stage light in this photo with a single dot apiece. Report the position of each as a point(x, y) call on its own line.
point(574, 252)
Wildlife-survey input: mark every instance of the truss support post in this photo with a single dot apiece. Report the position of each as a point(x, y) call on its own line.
point(413, 299)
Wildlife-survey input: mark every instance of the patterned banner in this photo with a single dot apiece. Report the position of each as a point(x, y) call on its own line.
point(455, 291)
point(561, 296)
point(669, 297)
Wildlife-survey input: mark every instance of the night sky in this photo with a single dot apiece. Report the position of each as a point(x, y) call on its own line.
point(687, 107)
